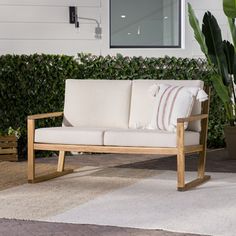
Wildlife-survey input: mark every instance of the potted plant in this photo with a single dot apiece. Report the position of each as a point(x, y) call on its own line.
point(8, 144)
point(221, 57)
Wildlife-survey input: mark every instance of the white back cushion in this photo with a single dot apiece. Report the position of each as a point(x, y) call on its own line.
point(142, 102)
point(97, 103)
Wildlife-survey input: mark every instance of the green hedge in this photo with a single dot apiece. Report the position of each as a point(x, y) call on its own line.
point(35, 84)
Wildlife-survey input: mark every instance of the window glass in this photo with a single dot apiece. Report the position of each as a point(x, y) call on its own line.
point(145, 23)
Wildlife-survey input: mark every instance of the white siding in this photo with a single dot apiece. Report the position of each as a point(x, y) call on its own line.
point(42, 26)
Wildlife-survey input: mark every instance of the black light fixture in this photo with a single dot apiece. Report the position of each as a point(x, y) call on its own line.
point(73, 16)
point(74, 19)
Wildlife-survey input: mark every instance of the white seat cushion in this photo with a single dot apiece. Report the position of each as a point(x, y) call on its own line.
point(97, 103)
point(142, 102)
point(147, 138)
point(70, 135)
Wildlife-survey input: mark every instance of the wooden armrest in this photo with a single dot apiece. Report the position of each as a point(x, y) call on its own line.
point(192, 118)
point(45, 115)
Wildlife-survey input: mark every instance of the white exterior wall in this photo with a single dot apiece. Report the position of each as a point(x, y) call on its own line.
point(42, 26)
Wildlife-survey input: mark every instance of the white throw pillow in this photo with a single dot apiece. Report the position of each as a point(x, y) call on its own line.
point(173, 102)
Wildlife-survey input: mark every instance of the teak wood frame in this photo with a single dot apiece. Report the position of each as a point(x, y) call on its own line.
point(180, 150)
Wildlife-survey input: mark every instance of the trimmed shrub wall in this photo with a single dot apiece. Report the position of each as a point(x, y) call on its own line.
point(36, 84)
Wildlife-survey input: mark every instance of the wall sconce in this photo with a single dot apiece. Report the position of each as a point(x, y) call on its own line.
point(74, 19)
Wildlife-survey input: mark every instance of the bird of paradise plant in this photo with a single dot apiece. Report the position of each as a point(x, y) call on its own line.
point(220, 54)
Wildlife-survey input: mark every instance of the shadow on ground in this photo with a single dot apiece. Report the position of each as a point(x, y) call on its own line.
point(217, 161)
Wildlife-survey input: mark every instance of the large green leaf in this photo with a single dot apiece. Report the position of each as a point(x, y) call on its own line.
point(230, 8)
point(231, 61)
point(213, 38)
point(225, 96)
point(230, 56)
point(232, 30)
point(199, 36)
point(220, 88)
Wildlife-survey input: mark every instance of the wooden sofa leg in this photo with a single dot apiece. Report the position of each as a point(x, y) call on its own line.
point(31, 159)
point(31, 154)
point(60, 169)
point(61, 161)
point(201, 164)
point(180, 156)
point(31, 165)
point(181, 170)
point(182, 186)
point(202, 178)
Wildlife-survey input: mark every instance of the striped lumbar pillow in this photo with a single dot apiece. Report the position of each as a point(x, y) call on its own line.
point(173, 102)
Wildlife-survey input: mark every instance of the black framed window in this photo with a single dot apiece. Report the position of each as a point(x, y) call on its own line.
point(145, 23)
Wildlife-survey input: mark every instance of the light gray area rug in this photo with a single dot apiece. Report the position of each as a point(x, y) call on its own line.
point(153, 203)
point(128, 198)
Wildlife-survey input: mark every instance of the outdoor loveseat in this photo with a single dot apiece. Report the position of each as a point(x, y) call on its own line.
point(132, 117)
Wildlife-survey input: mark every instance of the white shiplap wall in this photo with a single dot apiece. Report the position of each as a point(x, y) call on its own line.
point(41, 26)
